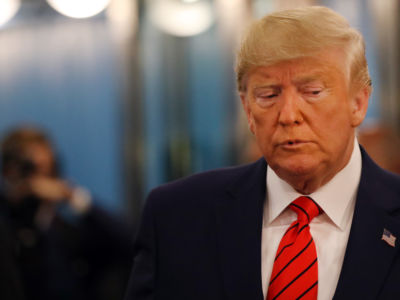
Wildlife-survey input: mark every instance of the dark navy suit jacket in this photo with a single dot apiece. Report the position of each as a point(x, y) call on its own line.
point(200, 238)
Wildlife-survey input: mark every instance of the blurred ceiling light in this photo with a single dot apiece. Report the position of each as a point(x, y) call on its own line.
point(181, 17)
point(8, 9)
point(79, 9)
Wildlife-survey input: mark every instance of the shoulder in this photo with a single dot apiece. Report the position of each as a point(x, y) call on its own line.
point(381, 183)
point(377, 175)
point(202, 187)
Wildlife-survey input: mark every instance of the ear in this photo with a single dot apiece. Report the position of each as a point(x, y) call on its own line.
point(359, 106)
point(247, 110)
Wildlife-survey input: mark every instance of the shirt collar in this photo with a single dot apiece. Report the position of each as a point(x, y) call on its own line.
point(335, 197)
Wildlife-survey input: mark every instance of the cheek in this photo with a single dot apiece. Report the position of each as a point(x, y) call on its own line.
point(263, 131)
point(262, 124)
point(332, 115)
point(332, 128)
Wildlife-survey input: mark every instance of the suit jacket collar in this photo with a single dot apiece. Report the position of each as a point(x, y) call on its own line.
point(239, 225)
point(368, 258)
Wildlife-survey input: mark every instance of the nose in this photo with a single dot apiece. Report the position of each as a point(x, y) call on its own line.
point(289, 110)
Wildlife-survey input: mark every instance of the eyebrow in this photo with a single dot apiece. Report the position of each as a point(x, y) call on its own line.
point(297, 81)
point(308, 79)
point(266, 86)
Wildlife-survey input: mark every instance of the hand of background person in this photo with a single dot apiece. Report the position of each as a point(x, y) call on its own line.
point(49, 189)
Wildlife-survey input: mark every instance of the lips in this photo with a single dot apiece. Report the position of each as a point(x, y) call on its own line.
point(294, 145)
point(292, 142)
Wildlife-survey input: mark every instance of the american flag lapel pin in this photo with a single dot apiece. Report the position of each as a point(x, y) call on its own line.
point(388, 237)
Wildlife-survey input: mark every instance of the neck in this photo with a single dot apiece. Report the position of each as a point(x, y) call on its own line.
point(306, 186)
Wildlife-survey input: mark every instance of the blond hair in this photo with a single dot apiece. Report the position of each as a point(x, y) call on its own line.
point(297, 33)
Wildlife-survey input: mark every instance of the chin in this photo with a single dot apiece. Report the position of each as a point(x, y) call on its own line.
point(305, 167)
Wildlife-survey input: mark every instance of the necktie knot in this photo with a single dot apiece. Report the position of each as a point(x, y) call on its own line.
point(305, 208)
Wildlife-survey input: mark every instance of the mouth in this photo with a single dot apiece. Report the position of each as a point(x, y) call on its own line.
point(293, 143)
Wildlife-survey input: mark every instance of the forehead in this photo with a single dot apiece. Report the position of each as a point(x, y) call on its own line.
point(327, 67)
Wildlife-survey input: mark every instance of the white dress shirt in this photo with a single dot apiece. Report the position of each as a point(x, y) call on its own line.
point(330, 230)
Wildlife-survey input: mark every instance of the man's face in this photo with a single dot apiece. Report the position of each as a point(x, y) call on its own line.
point(42, 158)
point(303, 116)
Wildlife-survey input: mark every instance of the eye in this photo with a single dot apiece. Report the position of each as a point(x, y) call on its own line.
point(313, 92)
point(267, 96)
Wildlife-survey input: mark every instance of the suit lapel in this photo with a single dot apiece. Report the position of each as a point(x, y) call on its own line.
point(239, 225)
point(368, 258)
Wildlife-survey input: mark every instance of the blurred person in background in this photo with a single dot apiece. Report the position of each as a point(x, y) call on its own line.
point(315, 217)
point(10, 281)
point(65, 246)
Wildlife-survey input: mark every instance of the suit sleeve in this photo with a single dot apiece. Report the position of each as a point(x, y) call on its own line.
point(142, 282)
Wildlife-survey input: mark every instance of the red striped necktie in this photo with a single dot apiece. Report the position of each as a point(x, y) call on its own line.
point(295, 271)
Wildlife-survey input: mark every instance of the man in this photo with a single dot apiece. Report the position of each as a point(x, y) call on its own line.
point(63, 246)
point(315, 218)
